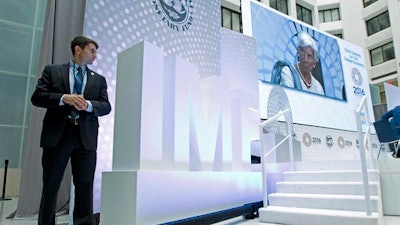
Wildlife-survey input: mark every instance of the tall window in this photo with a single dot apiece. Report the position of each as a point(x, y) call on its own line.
point(329, 15)
point(304, 14)
point(378, 23)
point(280, 5)
point(230, 19)
point(382, 54)
point(368, 2)
point(381, 86)
point(21, 24)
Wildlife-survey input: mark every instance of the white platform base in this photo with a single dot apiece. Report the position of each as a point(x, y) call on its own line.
point(305, 216)
point(389, 173)
point(154, 197)
point(321, 196)
point(389, 170)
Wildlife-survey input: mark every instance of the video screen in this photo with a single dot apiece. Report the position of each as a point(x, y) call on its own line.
point(322, 77)
point(295, 56)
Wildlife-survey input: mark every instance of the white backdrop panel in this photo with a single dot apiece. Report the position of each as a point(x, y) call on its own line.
point(118, 25)
point(392, 95)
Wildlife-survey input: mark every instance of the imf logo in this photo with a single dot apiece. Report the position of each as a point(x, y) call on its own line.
point(329, 141)
point(176, 14)
point(356, 77)
point(357, 80)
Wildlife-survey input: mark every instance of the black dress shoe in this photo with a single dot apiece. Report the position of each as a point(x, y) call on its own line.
point(395, 156)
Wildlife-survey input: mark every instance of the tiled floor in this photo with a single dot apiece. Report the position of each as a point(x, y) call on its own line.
point(8, 207)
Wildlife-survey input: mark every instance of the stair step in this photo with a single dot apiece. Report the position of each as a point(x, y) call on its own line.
point(323, 201)
point(306, 216)
point(325, 187)
point(345, 175)
point(329, 165)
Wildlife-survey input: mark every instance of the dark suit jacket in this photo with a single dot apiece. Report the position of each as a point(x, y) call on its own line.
point(51, 86)
point(395, 121)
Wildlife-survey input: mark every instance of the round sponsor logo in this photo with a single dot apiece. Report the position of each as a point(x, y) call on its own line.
point(307, 140)
point(356, 76)
point(176, 14)
point(341, 142)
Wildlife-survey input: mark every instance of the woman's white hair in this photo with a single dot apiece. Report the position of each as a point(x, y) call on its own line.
point(305, 40)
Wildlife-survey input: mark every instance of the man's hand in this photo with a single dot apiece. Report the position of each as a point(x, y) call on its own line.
point(77, 101)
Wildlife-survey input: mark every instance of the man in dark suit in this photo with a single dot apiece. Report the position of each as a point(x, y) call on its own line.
point(393, 116)
point(74, 97)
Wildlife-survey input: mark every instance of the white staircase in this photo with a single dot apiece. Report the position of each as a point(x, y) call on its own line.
point(324, 198)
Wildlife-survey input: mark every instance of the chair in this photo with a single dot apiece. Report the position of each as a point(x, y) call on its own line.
point(386, 135)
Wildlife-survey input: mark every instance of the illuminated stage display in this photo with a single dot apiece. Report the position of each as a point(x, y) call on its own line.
point(187, 98)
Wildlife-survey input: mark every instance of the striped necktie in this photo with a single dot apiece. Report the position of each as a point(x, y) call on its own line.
point(78, 77)
point(78, 81)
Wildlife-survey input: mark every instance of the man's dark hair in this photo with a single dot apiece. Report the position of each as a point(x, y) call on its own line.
point(82, 42)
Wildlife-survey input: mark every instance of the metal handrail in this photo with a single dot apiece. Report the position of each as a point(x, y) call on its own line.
point(363, 141)
point(264, 155)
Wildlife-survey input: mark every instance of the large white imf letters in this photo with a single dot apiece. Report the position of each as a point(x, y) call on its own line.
point(168, 123)
point(167, 118)
point(195, 126)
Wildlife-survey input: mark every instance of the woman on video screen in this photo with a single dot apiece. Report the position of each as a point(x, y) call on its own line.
point(299, 75)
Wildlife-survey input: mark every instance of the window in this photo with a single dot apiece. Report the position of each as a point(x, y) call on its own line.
point(280, 5)
point(304, 14)
point(385, 75)
point(382, 54)
point(230, 19)
point(382, 86)
point(368, 2)
point(329, 15)
point(378, 23)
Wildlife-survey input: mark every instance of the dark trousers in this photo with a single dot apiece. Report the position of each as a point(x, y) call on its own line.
point(83, 165)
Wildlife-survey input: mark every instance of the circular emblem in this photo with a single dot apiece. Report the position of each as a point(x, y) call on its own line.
point(176, 14)
point(278, 101)
point(341, 143)
point(356, 76)
point(307, 139)
point(329, 141)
